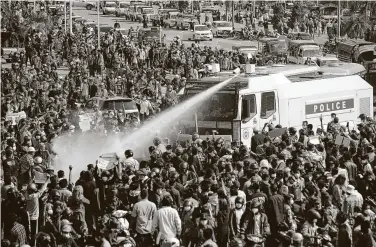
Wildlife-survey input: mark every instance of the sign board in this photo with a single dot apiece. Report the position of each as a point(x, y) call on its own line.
point(39, 177)
point(315, 140)
point(107, 161)
point(341, 140)
point(330, 106)
point(15, 117)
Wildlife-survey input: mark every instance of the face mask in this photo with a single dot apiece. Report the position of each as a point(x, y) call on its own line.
point(188, 208)
point(14, 148)
point(50, 212)
point(104, 179)
point(204, 222)
point(238, 205)
point(297, 175)
point(255, 210)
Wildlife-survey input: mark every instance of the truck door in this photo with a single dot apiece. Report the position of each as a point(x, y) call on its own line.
point(248, 118)
point(268, 109)
point(295, 113)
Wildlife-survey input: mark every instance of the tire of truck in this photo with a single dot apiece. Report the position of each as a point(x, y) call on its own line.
point(89, 6)
point(117, 14)
point(181, 27)
point(177, 27)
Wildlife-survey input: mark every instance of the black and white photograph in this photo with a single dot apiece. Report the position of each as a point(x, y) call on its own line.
point(188, 123)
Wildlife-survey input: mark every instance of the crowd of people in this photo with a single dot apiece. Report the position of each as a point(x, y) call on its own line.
point(284, 191)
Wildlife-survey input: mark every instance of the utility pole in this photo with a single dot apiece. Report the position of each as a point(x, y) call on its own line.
point(339, 19)
point(70, 17)
point(232, 13)
point(65, 16)
point(99, 30)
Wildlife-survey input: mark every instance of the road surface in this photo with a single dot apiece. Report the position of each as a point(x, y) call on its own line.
point(170, 33)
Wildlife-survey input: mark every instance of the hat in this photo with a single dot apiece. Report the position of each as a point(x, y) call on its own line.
point(255, 204)
point(31, 149)
point(66, 228)
point(264, 163)
point(350, 189)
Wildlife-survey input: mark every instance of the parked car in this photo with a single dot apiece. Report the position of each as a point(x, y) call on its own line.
point(109, 8)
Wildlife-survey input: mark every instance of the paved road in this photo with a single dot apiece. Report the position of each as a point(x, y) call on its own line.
point(171, 33)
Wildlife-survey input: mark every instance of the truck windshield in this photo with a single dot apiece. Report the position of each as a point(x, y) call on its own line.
point(201, 28)
point(311, 53)
point(219, 107)
point(148, 11)
point(224, 24)
point(110, 5)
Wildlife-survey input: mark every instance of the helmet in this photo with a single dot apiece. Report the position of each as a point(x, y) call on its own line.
point(128, 153)
point(297, 237)
point(313, 214)
point(239, 200)
point(38, 160)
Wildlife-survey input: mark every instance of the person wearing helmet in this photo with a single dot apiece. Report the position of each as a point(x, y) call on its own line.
point(254, 235)
point(310, 228)
point(130, 162)
point(235, 216)
point(38, 165)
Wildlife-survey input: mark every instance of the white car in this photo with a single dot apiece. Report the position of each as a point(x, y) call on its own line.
point(200, 32)
point(109, 8)
point(221, 28)
point(122, 9)
point(84, 4)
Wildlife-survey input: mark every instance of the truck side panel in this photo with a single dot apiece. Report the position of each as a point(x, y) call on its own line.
point(295, 112)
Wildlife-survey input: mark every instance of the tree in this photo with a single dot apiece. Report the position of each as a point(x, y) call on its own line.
point(228, 5)
point(355, 27)
point(279, 12)
point(296, 14)
point(183, 5)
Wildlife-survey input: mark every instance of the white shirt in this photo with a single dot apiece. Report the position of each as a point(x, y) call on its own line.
point(145, 106)
point(168, 221)
point(132, 162)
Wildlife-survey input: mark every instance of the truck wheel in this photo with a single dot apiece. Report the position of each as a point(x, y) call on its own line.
point(117, 14)
point(89, 7)
point(177, 27)
point(104, 13)
point(211, 39)
point(182, 28)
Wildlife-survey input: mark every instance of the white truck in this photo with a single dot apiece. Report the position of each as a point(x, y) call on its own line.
point(301, 50)
point(200, 32)
point(252, 101)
